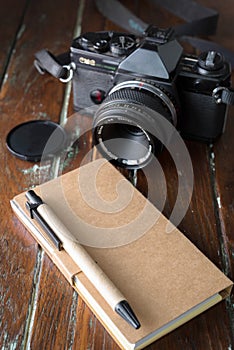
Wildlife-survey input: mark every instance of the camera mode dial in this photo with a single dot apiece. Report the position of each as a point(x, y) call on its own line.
point(122, 45)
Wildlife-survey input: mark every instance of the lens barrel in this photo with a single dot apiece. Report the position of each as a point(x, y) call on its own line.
point(127, 123)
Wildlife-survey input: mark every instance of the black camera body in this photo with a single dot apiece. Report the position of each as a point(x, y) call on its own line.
point(153, 71)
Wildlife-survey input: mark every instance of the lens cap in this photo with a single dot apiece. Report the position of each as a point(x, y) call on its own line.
point(28, 141)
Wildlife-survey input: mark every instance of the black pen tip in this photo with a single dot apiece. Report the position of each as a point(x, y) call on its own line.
point(126, 312)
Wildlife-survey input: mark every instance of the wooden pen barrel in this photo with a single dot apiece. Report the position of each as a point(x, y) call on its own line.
point(81, 257)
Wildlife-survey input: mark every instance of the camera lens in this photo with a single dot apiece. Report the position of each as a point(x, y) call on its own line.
point(128, 125)
point(126, 145)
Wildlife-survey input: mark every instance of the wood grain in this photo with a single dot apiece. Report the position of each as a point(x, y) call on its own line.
point(37, 305)
point(25, 95)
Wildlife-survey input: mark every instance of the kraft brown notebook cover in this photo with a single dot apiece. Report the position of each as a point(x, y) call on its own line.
point(166, 279)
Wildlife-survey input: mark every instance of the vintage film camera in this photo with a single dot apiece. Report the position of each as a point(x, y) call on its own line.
point(122, 73)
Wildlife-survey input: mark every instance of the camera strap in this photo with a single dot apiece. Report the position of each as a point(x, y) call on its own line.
point(199, 20)
point(60, 66)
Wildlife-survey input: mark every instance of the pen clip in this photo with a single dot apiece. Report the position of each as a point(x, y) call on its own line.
point(32, 206)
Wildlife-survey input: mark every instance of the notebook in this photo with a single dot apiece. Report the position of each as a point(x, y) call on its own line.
point(164, 277)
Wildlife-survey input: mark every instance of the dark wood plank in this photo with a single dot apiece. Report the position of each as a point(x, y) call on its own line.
point(25, 95)
point(223, 171)
point(224, 193)
point(18, 262)
point(18, 249)
point(10, 27)
point(53, 322)
point(222, 165)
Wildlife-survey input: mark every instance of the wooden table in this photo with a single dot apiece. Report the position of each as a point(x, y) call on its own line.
point(38, 308)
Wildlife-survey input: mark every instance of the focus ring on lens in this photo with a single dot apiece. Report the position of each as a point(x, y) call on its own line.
point(143, 98)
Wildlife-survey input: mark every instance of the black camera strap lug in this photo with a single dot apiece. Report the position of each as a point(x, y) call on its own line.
point(60, 66)
point(224, 95)
point(70, 70)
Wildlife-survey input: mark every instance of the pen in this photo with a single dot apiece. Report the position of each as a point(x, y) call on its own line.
point(62, 238)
